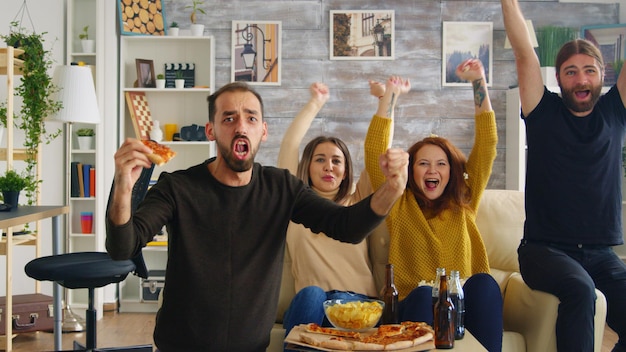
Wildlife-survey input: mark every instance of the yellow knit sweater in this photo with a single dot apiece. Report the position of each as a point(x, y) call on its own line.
point(451, 240)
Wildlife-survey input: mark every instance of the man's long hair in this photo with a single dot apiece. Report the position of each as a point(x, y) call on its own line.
point(578, 46)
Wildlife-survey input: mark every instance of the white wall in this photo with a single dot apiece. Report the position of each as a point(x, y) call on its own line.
point(47, 16)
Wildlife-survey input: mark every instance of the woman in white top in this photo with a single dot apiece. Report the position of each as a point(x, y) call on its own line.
point(323, 268)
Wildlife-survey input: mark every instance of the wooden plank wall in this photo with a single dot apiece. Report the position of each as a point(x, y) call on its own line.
point(428, 108)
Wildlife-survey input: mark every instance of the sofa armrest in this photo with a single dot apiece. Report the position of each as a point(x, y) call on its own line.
point(533, 314)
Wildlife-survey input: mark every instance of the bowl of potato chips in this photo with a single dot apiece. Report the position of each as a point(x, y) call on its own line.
point(353, 314)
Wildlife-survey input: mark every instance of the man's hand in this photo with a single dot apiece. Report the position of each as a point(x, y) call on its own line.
point(394, 164)
point(130, 159)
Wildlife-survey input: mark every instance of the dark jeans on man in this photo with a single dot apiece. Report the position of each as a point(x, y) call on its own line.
point(571, 273)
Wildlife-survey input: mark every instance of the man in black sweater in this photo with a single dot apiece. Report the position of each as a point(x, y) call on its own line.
point(226, 219)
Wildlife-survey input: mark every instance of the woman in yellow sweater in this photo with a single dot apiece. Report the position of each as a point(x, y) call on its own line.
point(433, 224)
point(322, 267)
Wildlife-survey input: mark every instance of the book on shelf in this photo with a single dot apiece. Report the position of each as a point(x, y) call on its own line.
point(86, 186)
point(92, 181)
point(81, 184)
point(74, 192)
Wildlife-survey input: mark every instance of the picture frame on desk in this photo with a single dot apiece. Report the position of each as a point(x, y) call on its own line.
point(145, 73)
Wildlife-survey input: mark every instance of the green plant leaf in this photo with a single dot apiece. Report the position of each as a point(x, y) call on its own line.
point(35, 89)
point(550, 40)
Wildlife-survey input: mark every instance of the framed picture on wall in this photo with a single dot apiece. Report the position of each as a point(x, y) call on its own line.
point(145, 17)
point(256, 47)
point(362, 35)
point(611, 40)
point(465, 40)
point(145, 73)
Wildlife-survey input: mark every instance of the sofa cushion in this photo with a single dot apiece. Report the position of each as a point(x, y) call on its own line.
point(500, 219)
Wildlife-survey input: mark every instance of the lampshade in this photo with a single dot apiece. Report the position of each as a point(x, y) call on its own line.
point(531, 34)
point(77, 94)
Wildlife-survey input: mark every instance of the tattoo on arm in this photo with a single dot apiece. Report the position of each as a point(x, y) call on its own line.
point(479, 92)
point(391, 104)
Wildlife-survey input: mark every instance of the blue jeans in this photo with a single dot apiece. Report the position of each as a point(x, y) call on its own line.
point(483, 309)
point(572, 274)
point(306, 306)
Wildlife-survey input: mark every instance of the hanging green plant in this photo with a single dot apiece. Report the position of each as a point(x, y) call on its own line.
point(35, 90)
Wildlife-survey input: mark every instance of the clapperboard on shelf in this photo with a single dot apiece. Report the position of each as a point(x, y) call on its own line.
point(188, 71)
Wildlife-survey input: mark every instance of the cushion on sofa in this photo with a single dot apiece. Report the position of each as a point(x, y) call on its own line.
point(500, 219)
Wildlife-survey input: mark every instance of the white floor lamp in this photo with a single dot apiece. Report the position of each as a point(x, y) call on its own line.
point(77, 95)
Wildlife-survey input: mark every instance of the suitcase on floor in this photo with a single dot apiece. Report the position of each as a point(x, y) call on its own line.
point(31, 312)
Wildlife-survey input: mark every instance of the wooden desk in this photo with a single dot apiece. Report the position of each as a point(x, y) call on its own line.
point(24, 215)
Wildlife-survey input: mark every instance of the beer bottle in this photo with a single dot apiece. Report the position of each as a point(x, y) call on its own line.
point(458, 299)
point(444, 317)
point(389, 295)
point(440, 271)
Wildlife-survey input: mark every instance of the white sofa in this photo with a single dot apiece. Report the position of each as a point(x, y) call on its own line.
point(529, 315)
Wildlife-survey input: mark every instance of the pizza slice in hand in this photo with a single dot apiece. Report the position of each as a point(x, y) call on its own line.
point(161, 154)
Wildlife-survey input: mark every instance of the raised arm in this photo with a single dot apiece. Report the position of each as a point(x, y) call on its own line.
point(130, 159)
point(472, 70)
point(531, 85)
point(290, 145)
point(389, 97)
point(379, 134)
point(480, 161)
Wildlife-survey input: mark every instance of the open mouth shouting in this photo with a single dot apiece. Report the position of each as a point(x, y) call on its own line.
point(430, 184)
point(581, 98)
point(241, 147)
point(582, 93)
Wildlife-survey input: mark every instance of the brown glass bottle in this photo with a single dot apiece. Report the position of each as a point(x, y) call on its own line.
point(389, 295)
point(444, 317)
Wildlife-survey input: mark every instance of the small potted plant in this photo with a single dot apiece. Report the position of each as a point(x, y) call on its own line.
point(85, 138)
point(179, 82)
point(160, 81)
point(11, 184)
point(196, 28)
point(173, 30)
point(87, 44)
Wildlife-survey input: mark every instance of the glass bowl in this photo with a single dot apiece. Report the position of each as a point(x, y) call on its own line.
point(353, 314)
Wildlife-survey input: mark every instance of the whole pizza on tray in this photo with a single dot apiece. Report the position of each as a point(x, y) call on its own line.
point(386, 338)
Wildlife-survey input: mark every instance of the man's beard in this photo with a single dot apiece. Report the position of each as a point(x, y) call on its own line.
point(569, 98)
point(234, 163)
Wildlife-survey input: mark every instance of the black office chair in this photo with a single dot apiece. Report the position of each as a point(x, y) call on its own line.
point(91, 270)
